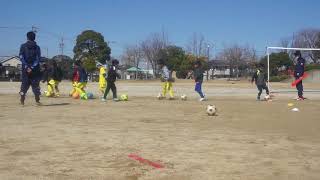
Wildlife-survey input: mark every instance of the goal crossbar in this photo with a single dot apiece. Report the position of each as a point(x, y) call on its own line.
point(283, 48)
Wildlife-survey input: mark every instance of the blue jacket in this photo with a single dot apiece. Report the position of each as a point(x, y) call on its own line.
point(30, 57)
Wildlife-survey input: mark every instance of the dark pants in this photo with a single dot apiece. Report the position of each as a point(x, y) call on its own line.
point(25, 85)
point(299, 87)
point(261, 87)
point(112, 86)
point(198, 89)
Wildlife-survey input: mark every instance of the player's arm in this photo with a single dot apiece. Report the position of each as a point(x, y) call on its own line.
point(254, 77)
point(21, 55)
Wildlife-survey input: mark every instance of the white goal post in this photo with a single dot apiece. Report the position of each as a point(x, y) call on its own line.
point(269, 49)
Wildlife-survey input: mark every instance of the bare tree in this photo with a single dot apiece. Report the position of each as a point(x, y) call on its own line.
point(132, 57)
point(285, 42)
point(151, 48)
point(197, 45)
point(307, 38)
point(237, 56)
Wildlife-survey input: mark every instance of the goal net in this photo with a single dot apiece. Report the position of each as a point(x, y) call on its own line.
point(285, 87)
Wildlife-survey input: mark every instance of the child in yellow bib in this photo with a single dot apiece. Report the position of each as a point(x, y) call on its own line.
point(167, 86)
point(102, 79)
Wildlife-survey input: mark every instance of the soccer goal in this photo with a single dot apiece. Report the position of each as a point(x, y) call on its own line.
point(270, 49)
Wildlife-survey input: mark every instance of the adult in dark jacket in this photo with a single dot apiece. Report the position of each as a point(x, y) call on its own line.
point(111, 78)
point(260, 78)
point(30, 58)
point(298, 72)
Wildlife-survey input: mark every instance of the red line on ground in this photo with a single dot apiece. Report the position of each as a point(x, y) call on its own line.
point(145, 161)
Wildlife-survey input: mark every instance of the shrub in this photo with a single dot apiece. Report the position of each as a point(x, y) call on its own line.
point(279, 78)
point(312, 67)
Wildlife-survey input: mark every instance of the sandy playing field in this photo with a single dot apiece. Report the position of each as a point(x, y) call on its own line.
point(74, 139)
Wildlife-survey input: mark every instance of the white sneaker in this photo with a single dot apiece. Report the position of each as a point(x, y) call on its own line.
point(202, 99)
point(115, 99)
point(103, 99)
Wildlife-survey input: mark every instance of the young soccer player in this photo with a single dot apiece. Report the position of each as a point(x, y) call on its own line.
point(102, 79)
point(298, 72)
point(79, 80)
point(166, 80)
point(112, 76)
point(260, 79)
point(54, 77)
point(198, 78)
point(31, 75)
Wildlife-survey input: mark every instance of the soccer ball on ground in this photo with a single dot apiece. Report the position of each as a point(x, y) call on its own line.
point(267, 98)
point(184, 97)
point(75, 95)
point(124, 97)
point(211, 110)
point(90, 95)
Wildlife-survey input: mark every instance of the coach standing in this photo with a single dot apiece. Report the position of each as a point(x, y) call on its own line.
point(298, 72)
point(31, 75)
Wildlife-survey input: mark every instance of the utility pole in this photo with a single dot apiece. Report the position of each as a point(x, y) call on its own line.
point(208, 51)
point(61, 46)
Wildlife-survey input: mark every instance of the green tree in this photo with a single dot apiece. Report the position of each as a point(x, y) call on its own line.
point(187, 64)
point(277, 61)
point(177, 60)
point(89, 63)
point(174, 57)
point(91, 47)
point(65, 63)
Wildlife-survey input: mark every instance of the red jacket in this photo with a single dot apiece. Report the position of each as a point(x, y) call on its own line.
point(76, 75)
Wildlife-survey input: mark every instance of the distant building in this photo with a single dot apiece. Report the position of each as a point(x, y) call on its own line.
point(13, 61)
point(219, 69)
point(11, 68)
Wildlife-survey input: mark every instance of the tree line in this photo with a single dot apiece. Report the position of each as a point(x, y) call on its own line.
point(91, 47)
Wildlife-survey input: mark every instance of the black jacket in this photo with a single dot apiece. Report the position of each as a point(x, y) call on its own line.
point(112, 74)
point(259, 77)
point(299, 68)
point(198, 74)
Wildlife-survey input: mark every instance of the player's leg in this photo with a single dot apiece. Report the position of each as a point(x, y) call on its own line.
point(50, 90)
point(299, 87)
point(164, 88)
point(265, 87)
point(260, 87)
point(106, 92)
point(114, 91)
point(56, 87)
point(81, 91)
point(198, 89)
point(35, 84)
point(25, 84)
point(102, 88)
point(170, 89)
point(74, 85)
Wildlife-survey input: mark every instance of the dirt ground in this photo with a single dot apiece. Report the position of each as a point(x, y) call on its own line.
point(75, 139)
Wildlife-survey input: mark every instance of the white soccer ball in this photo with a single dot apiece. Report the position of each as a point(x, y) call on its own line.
point(211, 110)
point(184, 97)
point(267, 97)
